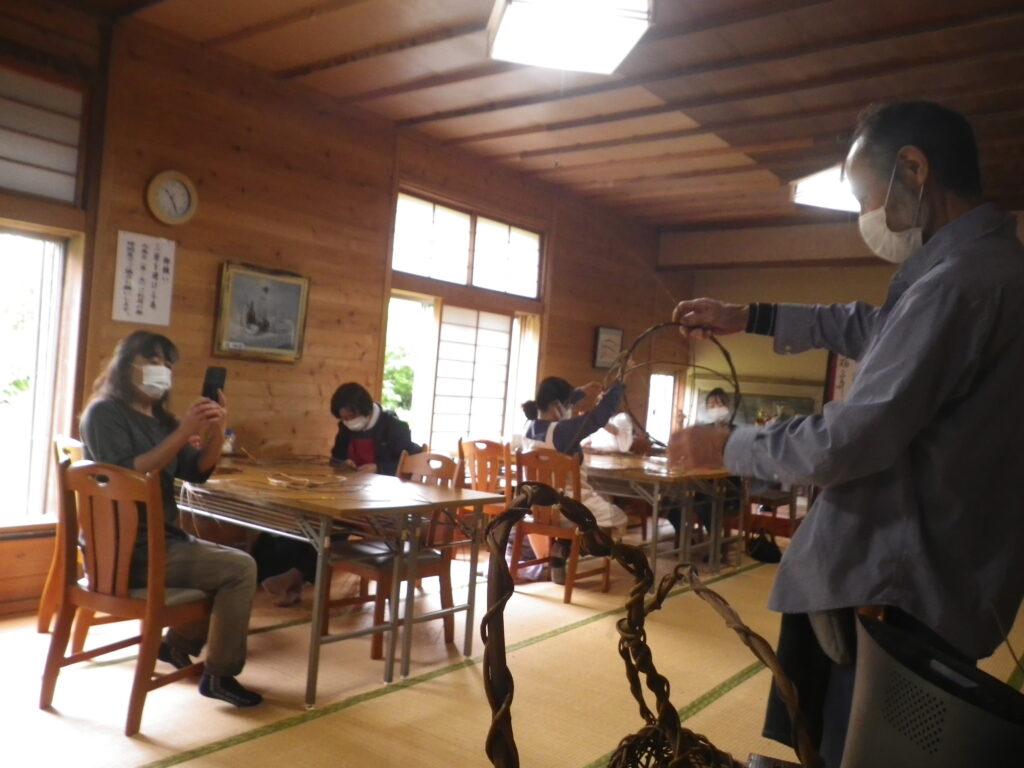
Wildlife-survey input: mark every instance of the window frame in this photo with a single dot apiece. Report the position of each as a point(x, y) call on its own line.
point(532, 304)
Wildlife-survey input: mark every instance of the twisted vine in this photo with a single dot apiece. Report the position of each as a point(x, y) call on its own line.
point(662, 742)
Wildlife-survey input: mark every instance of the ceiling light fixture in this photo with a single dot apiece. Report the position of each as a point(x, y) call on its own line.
point(826, 189)
point(577, 35)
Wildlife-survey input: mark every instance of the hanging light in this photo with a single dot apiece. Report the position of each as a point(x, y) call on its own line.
point(578, 35)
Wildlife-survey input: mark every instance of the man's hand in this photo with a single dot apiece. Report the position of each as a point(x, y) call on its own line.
point(367, 468)
point(709, 316)
point(698, 448)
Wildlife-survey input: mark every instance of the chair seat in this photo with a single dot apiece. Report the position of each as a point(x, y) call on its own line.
point(377, 553)
point(173, 595)
point(771, 497)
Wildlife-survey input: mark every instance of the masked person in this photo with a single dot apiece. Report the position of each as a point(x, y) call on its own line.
point(918, 517)
point(551, 424)
point(369, 439)
point(716, 406)
point(127, 423)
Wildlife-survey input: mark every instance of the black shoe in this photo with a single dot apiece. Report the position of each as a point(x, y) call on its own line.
point(226, 688)
point(173, 656)
point(557, 570)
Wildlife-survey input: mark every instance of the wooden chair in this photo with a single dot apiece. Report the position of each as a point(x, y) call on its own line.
point(763, 511)
point(373, 560)
point(99, 505)
point(64, 448)
point(562, 472)
point(73, 450)
point(488, 467)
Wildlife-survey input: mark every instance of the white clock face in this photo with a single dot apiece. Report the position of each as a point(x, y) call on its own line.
point(174, 199)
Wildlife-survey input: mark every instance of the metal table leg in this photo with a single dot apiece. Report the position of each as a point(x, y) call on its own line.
point(474, 556)
point(409, 574)
point(322, 544)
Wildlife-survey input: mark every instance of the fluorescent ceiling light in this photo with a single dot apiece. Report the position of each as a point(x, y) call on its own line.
point(826, 189)
point(578, 35)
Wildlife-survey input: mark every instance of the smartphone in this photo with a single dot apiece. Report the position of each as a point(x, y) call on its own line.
point(215, 379)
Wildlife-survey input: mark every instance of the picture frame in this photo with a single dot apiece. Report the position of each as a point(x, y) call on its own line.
point(261, 313)
point(762, 399)
point(838, 377)
point(607, 346)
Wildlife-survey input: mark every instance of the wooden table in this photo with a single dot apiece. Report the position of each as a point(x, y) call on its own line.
point(260, 496)
point(651, 478)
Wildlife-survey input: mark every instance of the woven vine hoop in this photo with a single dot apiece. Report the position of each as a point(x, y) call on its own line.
point(662, 742)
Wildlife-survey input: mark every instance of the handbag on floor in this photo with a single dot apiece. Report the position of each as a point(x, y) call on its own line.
point(761, 546)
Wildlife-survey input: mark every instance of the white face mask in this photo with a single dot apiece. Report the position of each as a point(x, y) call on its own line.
point(156, 380)
point(718, 413)
point(358, 424)
point(564, 411)
point(896, 247)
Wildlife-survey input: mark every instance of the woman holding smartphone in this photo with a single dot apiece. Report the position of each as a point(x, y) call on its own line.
point(127, 423)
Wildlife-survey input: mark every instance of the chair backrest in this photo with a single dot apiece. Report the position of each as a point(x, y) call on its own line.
point(428, 469)
point(100, 507)
point(543, 465)
point(65, 447)
point(438, 470)
point(487, 463)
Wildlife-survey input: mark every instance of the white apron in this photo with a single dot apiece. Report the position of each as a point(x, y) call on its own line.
point(607, 514)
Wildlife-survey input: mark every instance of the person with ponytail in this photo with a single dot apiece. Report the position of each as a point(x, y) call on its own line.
point(128, 423)
point(551, 424)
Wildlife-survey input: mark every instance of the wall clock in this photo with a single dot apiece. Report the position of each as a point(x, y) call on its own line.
point(171, 197)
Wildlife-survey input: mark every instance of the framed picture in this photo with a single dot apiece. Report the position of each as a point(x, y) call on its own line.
point(607, 346)
point(261, 313)
point(839, 377)
point(762, 401)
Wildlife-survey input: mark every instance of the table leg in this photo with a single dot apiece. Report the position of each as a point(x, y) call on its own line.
point(410, 592)
point(396, 587)
point(320, 597)
point(474, 556)
point(717, 521)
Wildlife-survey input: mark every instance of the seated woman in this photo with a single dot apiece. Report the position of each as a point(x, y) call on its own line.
point(369, 439)
point(552, 425)
point(127, 423)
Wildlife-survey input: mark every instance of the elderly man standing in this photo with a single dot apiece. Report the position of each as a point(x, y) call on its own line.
point(920, 464)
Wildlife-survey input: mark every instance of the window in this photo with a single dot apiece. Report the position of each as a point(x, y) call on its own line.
point(454, 372)
point(30, 300)
point(443, 243)
point(40, 126)
point(660, 402)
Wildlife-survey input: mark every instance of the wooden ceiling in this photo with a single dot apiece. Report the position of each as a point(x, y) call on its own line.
point(720, 106)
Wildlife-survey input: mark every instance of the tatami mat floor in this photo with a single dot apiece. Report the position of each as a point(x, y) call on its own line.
point(572, 703)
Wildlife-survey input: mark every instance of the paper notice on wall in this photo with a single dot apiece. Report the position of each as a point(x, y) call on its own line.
point(144, 279)
point(845, 370)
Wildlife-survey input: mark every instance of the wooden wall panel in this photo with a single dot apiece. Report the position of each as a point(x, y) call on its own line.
point(285, 181)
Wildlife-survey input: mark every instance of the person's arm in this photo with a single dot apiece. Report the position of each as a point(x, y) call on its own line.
point(926, 357)
point(397, 438)
point(339, 453)
point(569, 432)
point(840, 328)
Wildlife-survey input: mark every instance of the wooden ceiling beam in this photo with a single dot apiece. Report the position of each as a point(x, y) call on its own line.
point(886, 68)
point(404, 44)
point(129, 9)
point(452, 77)
point(953, 22)
point(791, 145)
point(279, 22)
point(763, 122)
point(730, 18)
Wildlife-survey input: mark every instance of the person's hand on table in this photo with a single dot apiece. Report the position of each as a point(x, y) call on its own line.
point(368, 468)
point(698, 448)
point(710, 316)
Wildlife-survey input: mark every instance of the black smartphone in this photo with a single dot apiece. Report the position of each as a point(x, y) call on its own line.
point(215, 379)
